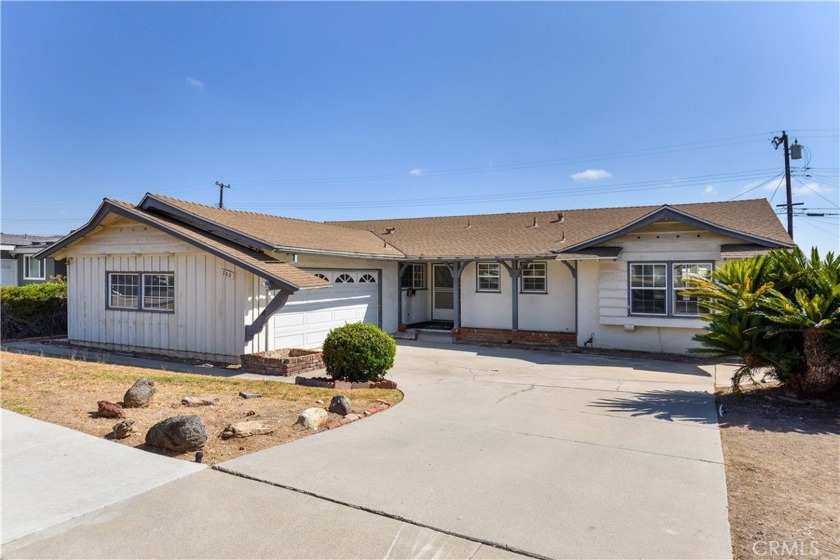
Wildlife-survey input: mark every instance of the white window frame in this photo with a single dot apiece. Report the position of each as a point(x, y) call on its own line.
point(141, 291)
point(42, 267)
point(676, 289)
point(143, 305)
point(665, 289)
point(479, 276)
point(418, 270)
point(543, 276)
point(110, 293)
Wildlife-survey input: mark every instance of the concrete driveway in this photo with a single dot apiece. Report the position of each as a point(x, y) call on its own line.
point(493, 451)
point(548, 454)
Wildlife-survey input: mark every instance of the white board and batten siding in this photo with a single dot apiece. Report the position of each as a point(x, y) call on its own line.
point(214, 299)
point(603, 289)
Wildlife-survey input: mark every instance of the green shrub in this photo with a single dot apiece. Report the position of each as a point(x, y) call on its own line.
point(33, 310)
point(359, 352)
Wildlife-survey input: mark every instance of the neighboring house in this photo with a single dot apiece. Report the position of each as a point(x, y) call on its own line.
point(186, 279)
point(18, 264)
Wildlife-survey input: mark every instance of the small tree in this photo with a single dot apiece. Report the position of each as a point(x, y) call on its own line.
point(778, 313)
point(359, 352)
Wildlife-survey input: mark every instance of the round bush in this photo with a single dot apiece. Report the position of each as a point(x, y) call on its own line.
point(359, 352)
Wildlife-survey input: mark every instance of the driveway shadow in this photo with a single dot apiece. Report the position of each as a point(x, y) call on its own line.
point(771, 410)
point(692, 406)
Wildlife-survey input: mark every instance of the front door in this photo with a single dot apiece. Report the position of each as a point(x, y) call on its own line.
point(443, 308)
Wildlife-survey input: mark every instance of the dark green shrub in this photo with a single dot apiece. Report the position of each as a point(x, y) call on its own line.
point(359, 352)
point(33, 310)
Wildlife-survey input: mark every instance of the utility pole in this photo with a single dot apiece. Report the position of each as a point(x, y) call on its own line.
point(778, 140)
point(223, 186)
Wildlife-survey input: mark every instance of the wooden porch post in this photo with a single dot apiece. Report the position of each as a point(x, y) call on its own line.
point(514, 268)
point(455, 270)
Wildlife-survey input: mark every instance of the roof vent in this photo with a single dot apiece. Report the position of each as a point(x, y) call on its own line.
point(469, 224)
point(559, 219)
point(389, 230)
point(563, 239)
point(534, 224)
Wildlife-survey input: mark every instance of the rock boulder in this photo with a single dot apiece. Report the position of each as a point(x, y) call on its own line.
point(341, 405)
point(140, 394)
point(123, 429)
point(179, 433)
point(199, 401)
point(246, 429)
point(108, 409)
point(312, 418)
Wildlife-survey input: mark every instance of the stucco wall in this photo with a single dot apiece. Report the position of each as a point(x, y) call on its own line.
point(553, 311)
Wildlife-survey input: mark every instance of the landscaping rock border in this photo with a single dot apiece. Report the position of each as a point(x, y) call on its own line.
point(383, 405)
point(327, 383)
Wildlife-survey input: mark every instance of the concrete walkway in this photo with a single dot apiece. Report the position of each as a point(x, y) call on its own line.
point(52, 474)
point(493, 451)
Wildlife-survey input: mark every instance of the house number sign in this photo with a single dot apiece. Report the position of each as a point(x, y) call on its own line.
point(227, 273)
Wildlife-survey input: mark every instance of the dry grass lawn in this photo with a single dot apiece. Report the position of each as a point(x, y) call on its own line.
point(782, 474)
point(65, 392)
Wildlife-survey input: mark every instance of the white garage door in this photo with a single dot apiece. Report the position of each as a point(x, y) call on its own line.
point(310, 315)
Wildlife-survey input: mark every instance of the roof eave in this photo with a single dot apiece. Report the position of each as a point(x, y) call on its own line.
point(109, 207)
point(668, 212)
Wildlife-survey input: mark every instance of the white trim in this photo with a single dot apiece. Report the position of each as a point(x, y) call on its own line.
point(544, 278)
point(43, 268)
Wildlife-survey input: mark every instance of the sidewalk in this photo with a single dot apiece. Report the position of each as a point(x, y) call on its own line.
point(52, 474)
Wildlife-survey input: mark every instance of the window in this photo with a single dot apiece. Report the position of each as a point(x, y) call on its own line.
point(649, 289)
point(688, 305)
point(159, 292)
point(488, 277)
point(414, 277)
point(534, 278)
point(33, 269)
point(344, 279)
point(367, 279)
point(321, 276)
point(651, 284)
point(123, 291)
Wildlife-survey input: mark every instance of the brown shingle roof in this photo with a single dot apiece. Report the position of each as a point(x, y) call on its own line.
point(541, 233)
point(259, 263)
point(287, 233)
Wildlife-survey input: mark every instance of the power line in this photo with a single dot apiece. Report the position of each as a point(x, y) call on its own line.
point(807, 186)
point(526, 195)
point(776, 176)
point(658, 150)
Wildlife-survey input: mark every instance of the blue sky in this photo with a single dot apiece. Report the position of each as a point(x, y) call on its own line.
point(369, 110)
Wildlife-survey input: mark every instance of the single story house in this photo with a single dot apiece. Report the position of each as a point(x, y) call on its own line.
point(186, 279)
point(18, 264)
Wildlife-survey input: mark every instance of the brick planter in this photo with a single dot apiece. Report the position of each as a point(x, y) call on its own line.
point(326, 383)
point(285, 362)
point(468, 335)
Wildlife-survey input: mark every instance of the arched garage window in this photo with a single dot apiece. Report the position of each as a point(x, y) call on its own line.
point(367, 278)
point(344, 279)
